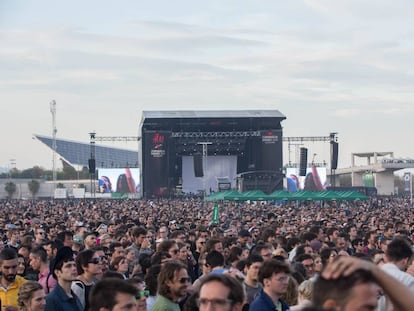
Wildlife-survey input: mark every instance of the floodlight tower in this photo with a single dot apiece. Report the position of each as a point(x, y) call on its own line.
point(54, 131)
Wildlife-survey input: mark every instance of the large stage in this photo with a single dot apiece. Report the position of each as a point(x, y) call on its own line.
point(177, 146)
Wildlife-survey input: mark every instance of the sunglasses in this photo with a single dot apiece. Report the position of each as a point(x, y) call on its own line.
point(184, 280)
point(142, 293)
point(95, 261)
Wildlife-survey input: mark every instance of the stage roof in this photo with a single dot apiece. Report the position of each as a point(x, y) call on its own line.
point(213, 114)
point(78, 153)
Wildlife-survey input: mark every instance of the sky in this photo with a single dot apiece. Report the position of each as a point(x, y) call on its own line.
point(328, 66)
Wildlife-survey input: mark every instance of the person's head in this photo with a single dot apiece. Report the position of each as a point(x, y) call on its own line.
point(304, 249)
point(215, 259)
point(116, 249)
point(138, 234)
point(317, 260)
point(214, 244)
point(269, 236)
point(305, 290)
point(263, 250)
point(221, 292)
point(355, 292)
point(183, 250)
point(120, 264)
point(21, 265)
point(342, 240)
point(64, 266)
point(40, 234)
point(52, 247)
point(235, 254)
point(274, 275)
point(99, 252)
point(253, 265)
point(37, 257)
point(87, 261)
point(89, 239)
point(169, 246)
point(142, 295)
point(307, 262)
point(358, 245)
point(200, 243)
point(159, 258)
point(113, 294)
point(24, 251)
point(8, 264)
point(243, 237)
point(399, 252)
point(31, 296)
point(173, 280)
point(66, 237)
point(328, 255)
point(178, 236)
point(163, 232)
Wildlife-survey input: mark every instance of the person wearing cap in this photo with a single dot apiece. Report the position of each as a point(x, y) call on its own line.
point(77, 243)
point(10, 282)
point(64, 271)
point(89, 239)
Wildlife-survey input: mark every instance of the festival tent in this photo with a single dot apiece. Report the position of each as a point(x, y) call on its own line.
point(327, 195)
point(352, 195)
point(234, 196)
point(219, 196)
point(255, 195)
point(279, 195)
point(303, 196)
point(258, 195)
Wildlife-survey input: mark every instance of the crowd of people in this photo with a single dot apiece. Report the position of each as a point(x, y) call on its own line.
point(174, 254)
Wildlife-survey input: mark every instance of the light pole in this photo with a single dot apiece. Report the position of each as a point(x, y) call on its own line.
point(92, 163)
point(205, 155)
point(54, 147)
point(11, 166)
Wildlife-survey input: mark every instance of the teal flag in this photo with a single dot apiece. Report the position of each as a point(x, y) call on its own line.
point(215, 213)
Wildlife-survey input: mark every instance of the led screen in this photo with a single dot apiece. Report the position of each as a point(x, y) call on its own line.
point(119, 180)
point(315, 179)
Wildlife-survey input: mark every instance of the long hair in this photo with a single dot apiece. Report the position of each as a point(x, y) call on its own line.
point(167, 273)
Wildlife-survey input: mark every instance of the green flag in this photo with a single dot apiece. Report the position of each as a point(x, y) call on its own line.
point(215, 213)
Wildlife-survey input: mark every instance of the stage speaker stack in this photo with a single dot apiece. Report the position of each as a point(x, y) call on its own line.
point(303, 161)
point(334, 155)
point(198, 165)
point(92, 166)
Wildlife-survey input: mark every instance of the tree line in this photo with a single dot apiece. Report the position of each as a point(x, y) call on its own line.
point(37, 172)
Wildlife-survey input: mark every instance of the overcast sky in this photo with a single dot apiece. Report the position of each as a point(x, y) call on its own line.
point(329, 66)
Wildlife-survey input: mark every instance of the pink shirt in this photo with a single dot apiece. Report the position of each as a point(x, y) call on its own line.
point(51, 282)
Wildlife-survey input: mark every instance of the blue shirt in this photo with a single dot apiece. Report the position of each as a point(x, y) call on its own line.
point(264, 303)
point(58, 300)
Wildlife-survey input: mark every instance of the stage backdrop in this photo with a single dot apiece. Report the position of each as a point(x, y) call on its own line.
point(217, 166)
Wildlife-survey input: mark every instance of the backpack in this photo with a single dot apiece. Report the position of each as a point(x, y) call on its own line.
point(78, 287)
